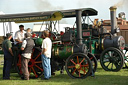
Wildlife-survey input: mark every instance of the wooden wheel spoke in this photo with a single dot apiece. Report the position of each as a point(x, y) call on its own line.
point(34, 72)
point(37, 56)
point(108, 54)
point(83, 70)
point(38, 62)
point(108, 64)
point(112, 66)
point(77, 60)
point(29, 70)
point(84, 65)
point(72, 61)
point(73, 72)
point(39, 68)
point(91, 58)
point(71, 66)
point(105, 61)
point(79, 74)
point(82, 60)
point(116, 65)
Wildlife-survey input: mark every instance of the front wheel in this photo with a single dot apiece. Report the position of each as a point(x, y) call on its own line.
point(78, 65)
point(112, 59)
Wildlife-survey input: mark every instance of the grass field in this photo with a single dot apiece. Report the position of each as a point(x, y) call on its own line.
point(101, 78)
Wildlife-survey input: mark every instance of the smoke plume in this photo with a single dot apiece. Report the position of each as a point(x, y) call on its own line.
point(121, 3)
point(45, 5)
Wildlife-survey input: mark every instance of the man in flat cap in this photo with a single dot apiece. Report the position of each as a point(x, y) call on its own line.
point(27, 46)
point(8, 56)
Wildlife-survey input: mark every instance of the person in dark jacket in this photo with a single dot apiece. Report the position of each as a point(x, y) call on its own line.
point(27, 46)
point(8, 56)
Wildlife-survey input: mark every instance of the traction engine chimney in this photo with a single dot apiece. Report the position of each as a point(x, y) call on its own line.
point(79, 27)
point(113, 19)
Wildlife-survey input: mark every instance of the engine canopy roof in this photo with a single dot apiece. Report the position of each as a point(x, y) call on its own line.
point(45, 16)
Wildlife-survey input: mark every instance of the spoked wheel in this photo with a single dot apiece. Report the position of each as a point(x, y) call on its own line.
point(125, 51)
point(112, 59)
point(34, 65)
point(93, 61)
point(78, 65)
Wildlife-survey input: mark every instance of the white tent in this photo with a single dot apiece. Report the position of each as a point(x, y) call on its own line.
point(60, 27)
point(7, 27)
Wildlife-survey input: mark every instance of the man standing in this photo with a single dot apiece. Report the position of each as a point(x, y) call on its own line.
point(19, 35)
point(46, 55)
point(8, 56)
point(26, 48)
point(18, 39)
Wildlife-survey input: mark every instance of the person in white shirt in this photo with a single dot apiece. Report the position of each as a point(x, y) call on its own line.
point(18, 39)
point(19, 35)
point(46, 54)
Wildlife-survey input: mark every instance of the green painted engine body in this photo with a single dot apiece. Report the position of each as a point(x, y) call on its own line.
point(62, 51)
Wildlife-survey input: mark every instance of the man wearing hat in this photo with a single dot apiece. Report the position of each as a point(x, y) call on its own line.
point(8, 56)
point(27, 46)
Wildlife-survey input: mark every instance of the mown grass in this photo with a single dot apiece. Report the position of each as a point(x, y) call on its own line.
point(101, 78)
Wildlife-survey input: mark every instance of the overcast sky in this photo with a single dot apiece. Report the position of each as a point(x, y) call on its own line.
point(102, 6)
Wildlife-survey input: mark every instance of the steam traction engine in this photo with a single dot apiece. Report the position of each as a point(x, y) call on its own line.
point(72, 53)
point(106, 45)
point(66, 51)
point(113, 57)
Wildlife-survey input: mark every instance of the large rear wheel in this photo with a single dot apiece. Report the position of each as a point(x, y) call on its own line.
point(35, 64)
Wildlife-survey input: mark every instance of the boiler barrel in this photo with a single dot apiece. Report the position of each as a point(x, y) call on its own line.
point(117, 42)
point(62, 51)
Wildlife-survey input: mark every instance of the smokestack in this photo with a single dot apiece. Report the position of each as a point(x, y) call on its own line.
point(113, 19)
point(79, 27)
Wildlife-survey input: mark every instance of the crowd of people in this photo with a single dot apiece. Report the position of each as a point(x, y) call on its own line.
point(24, 38)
